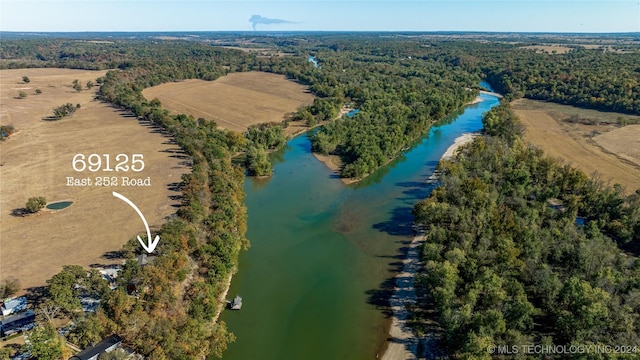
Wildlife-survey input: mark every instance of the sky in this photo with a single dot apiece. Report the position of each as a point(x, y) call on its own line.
point(322, 15)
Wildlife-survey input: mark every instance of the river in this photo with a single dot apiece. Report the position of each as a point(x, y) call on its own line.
point(323, 255)
point(313, 60)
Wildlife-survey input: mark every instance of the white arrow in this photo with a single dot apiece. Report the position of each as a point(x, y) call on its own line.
point(152, 244)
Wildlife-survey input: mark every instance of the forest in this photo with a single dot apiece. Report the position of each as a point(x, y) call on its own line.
point(522, 249)
point(584, 78)
point(398, 100)
point(401, 85)
point(503, 264)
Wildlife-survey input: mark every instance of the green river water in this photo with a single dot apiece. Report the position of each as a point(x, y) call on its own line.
point(323, 255)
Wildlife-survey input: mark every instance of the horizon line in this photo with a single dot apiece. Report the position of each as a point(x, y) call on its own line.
point(317, 31)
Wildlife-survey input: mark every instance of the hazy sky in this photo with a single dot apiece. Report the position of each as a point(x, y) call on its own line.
point(359, 15)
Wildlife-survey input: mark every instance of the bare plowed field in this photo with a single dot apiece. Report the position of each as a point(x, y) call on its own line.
point(235, 101)
point(37, 160)
point(624, 142)
point(569, 143)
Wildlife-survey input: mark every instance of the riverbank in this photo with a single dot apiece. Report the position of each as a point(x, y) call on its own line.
point(474, 101)
point(499, 96)
point(402, 342)
point(459, 141)
point(296, 128)
point(334, 163)
point(222, 301)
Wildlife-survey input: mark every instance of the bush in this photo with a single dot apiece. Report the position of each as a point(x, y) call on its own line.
point(38, 91)
point(26, 80)
point(34, 204)
point(76, 85)
point(9, 287)
point(64, 110)
point(5, 131)
point(257, 161)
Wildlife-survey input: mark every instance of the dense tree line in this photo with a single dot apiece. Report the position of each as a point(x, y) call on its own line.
point(199, 249)
point(507, 263)
point(270, 135)
point(398, 99)
point(262, 138)
point(585, 78)
point(257, 161)
point(112, 54)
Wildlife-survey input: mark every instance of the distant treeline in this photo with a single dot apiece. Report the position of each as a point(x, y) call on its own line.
point(521, 249)
point(584, 78)
point(401, 84)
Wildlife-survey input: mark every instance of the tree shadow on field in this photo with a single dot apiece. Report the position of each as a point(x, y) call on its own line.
point(155, 129)
point(173, 150)
point(176, 187)
point(113, 255)
point(35, 294)
point(50, 118)
point(178, 153)
point(181, 157)
point(126, 114)
point(20, 212)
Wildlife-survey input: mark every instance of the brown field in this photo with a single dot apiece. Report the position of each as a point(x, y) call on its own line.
point(624, 142)
point(260, 52)
point(573, 143)
point(565, 48)
point(37, 159)
point(264, 98)
point(562, 112)
point(549, 49)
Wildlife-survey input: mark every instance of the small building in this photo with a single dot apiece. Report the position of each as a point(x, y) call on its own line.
point(236, 304)
point(15, 305)
point(89, 304)
point(21, 356)
point(111, 275)
point(144, 259)
point(16, 323)
point(107, 345)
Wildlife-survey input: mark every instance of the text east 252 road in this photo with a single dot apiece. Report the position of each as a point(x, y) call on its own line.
point(108, 181)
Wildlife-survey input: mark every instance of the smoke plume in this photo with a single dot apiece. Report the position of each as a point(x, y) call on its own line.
point(258, 19)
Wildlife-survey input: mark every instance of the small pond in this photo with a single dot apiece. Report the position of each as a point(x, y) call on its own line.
point(59, 205)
